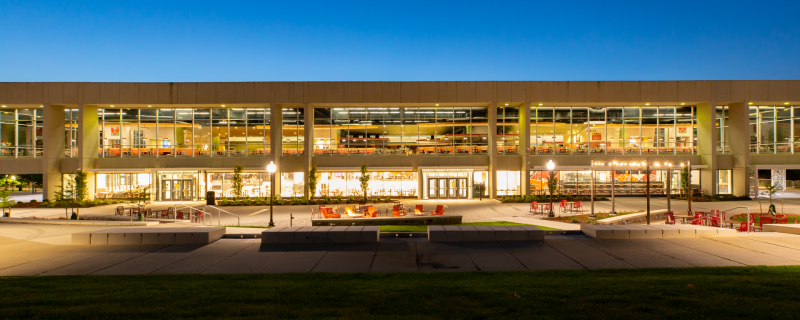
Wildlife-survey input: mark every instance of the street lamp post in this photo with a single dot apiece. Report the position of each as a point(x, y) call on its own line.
point(613, 202)
point(550, 167)
point(669, 186)
point(271, 169)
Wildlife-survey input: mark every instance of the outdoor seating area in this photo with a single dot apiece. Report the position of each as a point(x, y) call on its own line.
point(373, 211)
point(194, 216)
point(562, 206)
point(718, 219)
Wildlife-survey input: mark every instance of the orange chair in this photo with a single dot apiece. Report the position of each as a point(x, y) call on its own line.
point(419, 210)
point(438, 212)
point(397, 211)
point(326, 212)
point(371, 212)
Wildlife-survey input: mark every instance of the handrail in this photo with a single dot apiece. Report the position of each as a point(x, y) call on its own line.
point(748, 215)
point(219, 215)
point(210, 221)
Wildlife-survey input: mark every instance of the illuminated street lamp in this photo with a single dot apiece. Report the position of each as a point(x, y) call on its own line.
point(271, 169)
point(550, 167)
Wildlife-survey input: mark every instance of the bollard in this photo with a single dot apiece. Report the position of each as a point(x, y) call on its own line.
point(291, 217)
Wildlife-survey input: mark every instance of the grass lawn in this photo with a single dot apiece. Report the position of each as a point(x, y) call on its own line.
point(697, 293)
point(425, 228)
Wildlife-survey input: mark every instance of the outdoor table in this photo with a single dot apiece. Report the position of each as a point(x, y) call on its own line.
point(683, 217)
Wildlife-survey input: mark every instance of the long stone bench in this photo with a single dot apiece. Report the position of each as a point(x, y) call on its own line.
point(653, 231)
point(782, 228)
point(335, 234)
point(484, 233)
point(79, 222)
point(133, 236)
point(635, 217)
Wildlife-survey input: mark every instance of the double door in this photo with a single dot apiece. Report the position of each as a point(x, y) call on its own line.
point(447, 188)
point(177, 190)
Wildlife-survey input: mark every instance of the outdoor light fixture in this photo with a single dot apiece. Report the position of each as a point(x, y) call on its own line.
point(550, 167)
point(540, 104)
point(271, 169)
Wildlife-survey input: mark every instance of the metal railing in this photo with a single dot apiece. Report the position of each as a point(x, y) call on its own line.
point(219, 215)
point(736, 208)
point(210, 220)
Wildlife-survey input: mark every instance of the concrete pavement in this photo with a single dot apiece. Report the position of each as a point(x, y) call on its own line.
point(24, 257)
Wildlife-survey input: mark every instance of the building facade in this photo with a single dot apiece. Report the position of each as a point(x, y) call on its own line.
point(427, 140)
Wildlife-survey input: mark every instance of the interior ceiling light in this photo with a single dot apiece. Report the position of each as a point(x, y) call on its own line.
point(750, 103)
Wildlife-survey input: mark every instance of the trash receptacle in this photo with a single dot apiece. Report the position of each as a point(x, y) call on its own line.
point(211, 199)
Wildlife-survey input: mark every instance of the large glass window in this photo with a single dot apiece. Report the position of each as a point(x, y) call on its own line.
point(722, 129)
point(70, 132)
point(508, 183)
point(120, 185)
point(253, 184)
point(21, 133)
point(293, 131)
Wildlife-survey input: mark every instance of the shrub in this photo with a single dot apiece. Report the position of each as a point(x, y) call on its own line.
point(45, 200)
point(351, 199)
point(33, 201)
point(279, 201)
point(303, 201)
point(294, 201)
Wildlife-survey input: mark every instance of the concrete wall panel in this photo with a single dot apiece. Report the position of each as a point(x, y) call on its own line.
point(371, 92)
point(448, 91)
point(611, 91)
point(352, 92)
point(3, 93)
point(316, 92)
point(576, 91)
point(34, 93)
point(777, 90)
point(740, 90)
point(409, 92)
point(226, 92)
point(390, 92)
point(483, 91)
point(187, 92)
point(503, 91)
point(207, 92)
point(334, 92)
point(165, 92)
point(557, 91)
point(90, 92)
point(687, 91)
point(245, 92)
point(148, 93)
point(793, 90)
point(518, 92)
point(537, 91)
point(262, 92)
point(649, 90)
point(129, 93)
point(705, 91)
point(55, 92)
point(592, 91)
point(631, 91)
point(109, 92)
point(283, 92)
point(428, 92)
point(722, 90)
point(299, 92)
point(759, 90)
point(466, 91)
point(668, 91)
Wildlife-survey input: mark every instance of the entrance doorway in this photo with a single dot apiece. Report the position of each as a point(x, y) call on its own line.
point(447, 188)
point(177, 190)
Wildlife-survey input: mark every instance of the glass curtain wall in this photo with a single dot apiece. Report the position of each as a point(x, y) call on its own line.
point(293, 131)
point(400, 131)
point(120, 185)
point(70, 133)
point(253, 184)
point(722, 129)
point(626, 182)
point(180, 132)
point(508, 130)
point(381, 184)
point(612, 130)
point(21, 133)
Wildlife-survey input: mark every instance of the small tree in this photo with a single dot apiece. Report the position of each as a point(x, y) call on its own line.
point(141, 197)
point(81, 185)
point(236, 181)
point(771, 190)
point(313, 179)
point(552, 182)
point(685, 185)
point(364, 179)
point(6, 202)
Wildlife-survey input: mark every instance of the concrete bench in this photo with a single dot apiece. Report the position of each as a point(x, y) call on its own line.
point(79, 222)
point(635, 217)
point(134, 236)
point(484, 233)
point(653, 231)
point(783, 228)
point(335, 234)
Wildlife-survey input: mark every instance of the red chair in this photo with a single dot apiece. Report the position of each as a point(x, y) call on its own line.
point(398, 211)
point(715, 221)
point(371, 212)
point(328, 213)
point(546, 209)
point(179, 215)
point(670, 218)
point(764, 220)
point(120, 211)
point(578, 206)
point(534, 207)
point(563, 206)
point(438, 212)
point(197, 216)
point(164, 214)
point(743, 227)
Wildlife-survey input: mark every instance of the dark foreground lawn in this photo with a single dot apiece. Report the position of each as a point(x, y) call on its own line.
point(721, 293)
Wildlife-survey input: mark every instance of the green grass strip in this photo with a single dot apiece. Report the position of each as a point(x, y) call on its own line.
point(672, 293)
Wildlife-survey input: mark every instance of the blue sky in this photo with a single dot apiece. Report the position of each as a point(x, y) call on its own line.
point(398, 40)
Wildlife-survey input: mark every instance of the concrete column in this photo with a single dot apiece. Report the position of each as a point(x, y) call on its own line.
point(707, 145)
point(779, 178)
point(492, 150)
point(524, 147)
point(276, 142)
point(88, 142)
point(308, 144)
point(53, 152)
point(739, 144)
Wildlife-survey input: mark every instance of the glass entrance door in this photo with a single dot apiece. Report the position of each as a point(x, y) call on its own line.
point(462, 188)
point(177, 190)
point(433, 191)
point(448, 188)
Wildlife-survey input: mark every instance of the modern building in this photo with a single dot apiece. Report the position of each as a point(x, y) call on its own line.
point(454, 140)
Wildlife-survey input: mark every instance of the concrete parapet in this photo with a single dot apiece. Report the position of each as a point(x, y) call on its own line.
point(135, 236)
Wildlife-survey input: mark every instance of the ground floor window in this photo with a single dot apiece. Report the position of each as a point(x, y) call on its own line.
point(381, 184)
point(180, 185)
point(508, 183)
point(625, 182)
point(723, 181)
point(292, 184)
point(480, 184)
point(120, 185)
point(253, 184)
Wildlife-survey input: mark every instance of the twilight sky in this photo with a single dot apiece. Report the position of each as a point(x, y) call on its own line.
point(398, 40)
